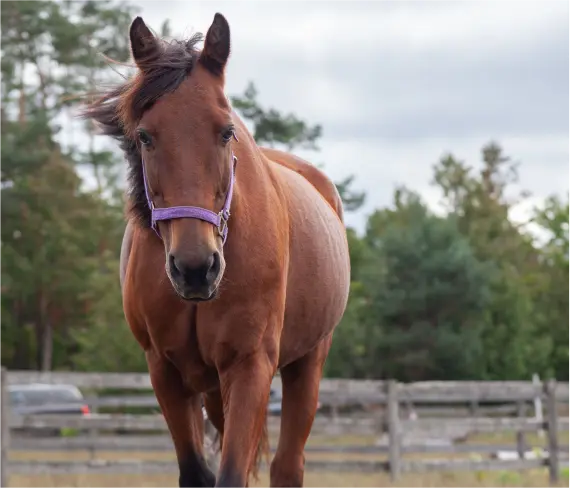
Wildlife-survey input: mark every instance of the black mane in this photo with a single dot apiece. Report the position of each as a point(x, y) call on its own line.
point(117, 111)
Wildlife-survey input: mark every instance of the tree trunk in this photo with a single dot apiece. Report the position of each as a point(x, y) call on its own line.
point(44, 335)
point(21, 358)
point(47, 346)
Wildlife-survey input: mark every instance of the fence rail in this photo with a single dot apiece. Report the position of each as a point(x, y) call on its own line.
point(330, 391)
point(462, 407)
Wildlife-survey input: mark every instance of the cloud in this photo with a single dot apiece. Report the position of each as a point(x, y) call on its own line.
point(381, 166)
point(397, 84)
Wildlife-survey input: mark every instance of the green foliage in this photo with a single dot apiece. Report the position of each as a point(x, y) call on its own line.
point(352, 200)
point(106, 343)
point(516, 342)
point(54, 233)
point(421, 297)
point(551, 283)
point(466, 295)
point(272, 127)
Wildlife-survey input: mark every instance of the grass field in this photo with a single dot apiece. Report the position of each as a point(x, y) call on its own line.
point(495, 478)
point(526, 478)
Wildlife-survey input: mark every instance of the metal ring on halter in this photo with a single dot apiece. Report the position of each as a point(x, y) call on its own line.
point(223, 226)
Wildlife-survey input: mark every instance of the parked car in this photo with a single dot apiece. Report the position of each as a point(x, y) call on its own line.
point(45, 399)
point(275, 398)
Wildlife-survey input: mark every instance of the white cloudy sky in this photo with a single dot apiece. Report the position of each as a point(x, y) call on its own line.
point(397, 84)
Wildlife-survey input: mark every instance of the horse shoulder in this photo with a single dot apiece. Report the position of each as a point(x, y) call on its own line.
point(136, 325)
point(312, 174)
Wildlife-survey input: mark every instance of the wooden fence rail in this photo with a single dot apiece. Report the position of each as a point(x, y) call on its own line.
point(392, 402)
point(344, 391)
point(114, 402)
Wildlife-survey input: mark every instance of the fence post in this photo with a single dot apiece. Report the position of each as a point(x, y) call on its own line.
point(93, 432)
point(538, 404)
point(521, 440)
point(474, 407)
point(552, 430)
point(5, 427)
point(394, 430)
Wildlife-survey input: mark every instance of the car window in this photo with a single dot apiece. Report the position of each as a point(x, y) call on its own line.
point(16, 398)
point(44, 397)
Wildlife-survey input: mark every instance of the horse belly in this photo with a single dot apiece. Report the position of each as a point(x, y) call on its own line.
point(319, 270)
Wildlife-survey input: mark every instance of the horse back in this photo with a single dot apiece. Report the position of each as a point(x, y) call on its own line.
point(311, 173)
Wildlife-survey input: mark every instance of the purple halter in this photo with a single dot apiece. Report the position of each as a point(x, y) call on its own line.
point(218, 220)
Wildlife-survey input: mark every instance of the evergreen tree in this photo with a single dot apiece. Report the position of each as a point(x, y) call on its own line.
point(54, 233)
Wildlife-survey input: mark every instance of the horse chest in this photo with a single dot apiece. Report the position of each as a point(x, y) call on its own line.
point(179, 343)
point(197, 376)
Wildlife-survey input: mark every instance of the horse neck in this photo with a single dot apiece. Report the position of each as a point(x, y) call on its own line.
point(253, 179)
point(252, 164)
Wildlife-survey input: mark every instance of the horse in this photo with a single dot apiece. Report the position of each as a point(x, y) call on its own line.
point(234, 264)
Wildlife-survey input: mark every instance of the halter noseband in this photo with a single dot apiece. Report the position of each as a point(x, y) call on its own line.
point(218, 220)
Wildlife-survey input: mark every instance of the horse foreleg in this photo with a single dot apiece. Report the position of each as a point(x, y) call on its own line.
point(300, 381)
point(215, 410)
point(183, 414)
point(245, 390)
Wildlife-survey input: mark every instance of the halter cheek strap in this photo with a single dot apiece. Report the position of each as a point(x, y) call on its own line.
point(218, 220)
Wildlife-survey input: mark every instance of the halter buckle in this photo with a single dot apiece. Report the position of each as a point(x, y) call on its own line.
point(222, 227)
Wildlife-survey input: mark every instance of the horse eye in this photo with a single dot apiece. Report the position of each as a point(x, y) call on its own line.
point(144, 138)
point(228, 134)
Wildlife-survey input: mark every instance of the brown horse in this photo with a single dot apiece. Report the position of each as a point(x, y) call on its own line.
point(220, 303)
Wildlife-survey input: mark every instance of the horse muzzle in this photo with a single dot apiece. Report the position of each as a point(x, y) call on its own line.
point(195, 280)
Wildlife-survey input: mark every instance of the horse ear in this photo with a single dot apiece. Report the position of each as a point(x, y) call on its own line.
point(143, 42)
point(217, 45)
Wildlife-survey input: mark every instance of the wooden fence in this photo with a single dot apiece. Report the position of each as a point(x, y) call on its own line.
point(404, 417)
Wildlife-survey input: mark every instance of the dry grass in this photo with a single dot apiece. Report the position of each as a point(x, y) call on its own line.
point(523, 478)
point(527, 478)
point(161, 456)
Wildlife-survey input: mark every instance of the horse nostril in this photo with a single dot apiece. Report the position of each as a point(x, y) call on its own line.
point(174, 269)
point(215, 265)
